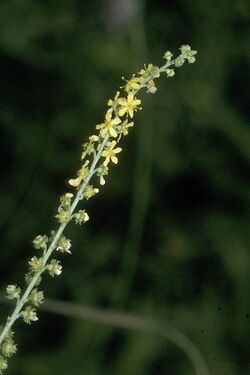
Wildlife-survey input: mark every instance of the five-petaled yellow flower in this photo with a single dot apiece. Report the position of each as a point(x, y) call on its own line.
point(129, 105)
point(110, 153)
point(108, 125)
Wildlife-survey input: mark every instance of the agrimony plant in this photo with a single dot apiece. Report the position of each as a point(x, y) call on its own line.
point(99, 153)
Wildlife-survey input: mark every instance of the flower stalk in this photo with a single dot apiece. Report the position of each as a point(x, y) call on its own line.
point(98, 153)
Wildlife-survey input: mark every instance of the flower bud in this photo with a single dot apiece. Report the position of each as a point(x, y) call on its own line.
point(168, 55)
point(170, 72)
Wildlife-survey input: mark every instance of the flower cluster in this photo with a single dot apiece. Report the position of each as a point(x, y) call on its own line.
point(98, 153)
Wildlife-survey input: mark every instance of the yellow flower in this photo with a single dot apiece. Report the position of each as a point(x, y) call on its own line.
point(108, 125)
point(133, 83)
point(110, 153)
point(129, 105)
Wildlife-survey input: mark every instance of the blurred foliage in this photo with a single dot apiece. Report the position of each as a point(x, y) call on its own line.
point(168, 235)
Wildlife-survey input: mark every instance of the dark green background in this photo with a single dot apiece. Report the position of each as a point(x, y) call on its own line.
point(168, 236)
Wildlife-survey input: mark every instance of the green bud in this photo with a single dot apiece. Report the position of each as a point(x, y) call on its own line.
point(155, 72)
point(150, 71)
point(185, 49)
point(168, 55)
point(191, 59)
point(179, 61)
point(151, 88)
point(187, 53)
point(170, 72)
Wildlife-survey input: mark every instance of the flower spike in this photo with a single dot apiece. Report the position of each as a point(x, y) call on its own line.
point(99, 152)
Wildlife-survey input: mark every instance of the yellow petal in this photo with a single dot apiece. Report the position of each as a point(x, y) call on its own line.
point(131, 112)
point(130, 97)
point(114, 159)
point(122, 101)
point(103, 132)
point(112, 132)
point(122, 111)
point(116, 121)
point(99, 126)
point(135, 85)
point(108, 115)
point(93, 138)
point(136, 102)
point(106, 162)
